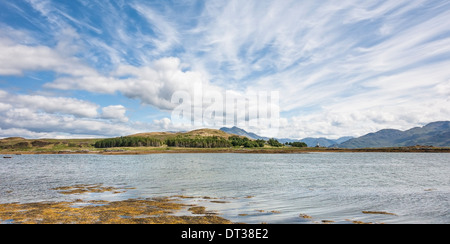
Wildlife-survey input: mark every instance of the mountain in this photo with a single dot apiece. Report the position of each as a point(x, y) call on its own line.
point(434, 134)
point(325, 142)
point(240, 132)
point(343, 139)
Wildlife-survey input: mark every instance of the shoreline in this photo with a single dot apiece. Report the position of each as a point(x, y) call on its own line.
point(144, 151)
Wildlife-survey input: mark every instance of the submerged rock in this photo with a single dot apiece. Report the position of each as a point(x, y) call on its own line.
point(378, 212)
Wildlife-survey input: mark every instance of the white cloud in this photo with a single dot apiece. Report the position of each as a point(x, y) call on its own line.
point(17, 132)
point(164, 124)
point(70, 106)
point(22, 119)
point(151, 85)
point(43, 116)
point(4, 107)
point(17, 58)
point(30, 58)
point(115, 112)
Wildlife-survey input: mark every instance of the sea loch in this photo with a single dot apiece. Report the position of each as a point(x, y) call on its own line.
point(253, 188)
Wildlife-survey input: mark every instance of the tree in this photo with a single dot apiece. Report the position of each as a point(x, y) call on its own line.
point(261, 143)
point(298, 144)
point(237, 141)
point(274, 143)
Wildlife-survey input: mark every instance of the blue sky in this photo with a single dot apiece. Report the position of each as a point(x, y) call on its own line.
point(84, 68)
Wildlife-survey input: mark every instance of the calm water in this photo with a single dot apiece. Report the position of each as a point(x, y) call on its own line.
point(326, 186)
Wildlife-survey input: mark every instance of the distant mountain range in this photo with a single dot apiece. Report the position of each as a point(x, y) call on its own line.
point(324, 142)
point(434, 134)
point(311, 142)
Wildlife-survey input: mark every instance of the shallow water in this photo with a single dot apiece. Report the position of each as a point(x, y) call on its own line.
point(256, 188)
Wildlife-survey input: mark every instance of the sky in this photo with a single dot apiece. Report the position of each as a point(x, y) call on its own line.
point(99, 68)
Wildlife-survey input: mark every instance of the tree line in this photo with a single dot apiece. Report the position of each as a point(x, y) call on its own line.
point(200, 142)
point(128, 142)
point(197, 142)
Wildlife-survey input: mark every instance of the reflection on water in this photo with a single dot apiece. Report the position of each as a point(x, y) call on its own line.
point(252, 188)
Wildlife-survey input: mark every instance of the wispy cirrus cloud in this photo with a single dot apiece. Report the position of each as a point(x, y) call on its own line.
point(166, 35)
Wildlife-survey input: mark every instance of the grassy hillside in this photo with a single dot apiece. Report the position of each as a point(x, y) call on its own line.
point(190, 134)
point(19, 144)
point(43, 145)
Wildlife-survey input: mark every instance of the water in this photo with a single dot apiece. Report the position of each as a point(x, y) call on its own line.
point(256, 187)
